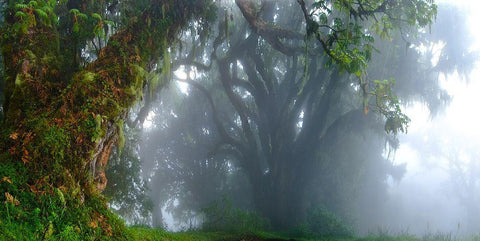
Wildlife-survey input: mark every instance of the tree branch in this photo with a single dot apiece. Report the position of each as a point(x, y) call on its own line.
point(272, 34)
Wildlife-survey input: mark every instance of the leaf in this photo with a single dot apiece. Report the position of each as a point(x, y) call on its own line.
point(93, 224)
point(11, 199)
point(20, 14)
point(14, 136)
point(97, 16)
point(83, 15)
point(6, 179)
point(74, 11)
point(76, 27)
point(42, 14)
point(111, 23)
point(33, 4)
point(25, 157)
point(21, 6)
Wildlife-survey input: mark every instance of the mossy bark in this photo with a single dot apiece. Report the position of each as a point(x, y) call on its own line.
point(57, 133)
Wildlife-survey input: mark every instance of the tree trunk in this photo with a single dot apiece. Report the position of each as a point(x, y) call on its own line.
point(57, 134)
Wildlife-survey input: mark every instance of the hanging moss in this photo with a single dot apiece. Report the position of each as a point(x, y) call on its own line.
point(121, 135)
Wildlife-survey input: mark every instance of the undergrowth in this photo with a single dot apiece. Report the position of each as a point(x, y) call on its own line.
point(50, 213)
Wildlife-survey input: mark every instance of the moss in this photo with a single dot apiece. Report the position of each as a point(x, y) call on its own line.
point(121, 136)
point(88, 77)
point(19, 80)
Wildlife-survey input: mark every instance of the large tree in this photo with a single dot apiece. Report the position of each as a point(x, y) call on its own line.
point(67, 94)
point(290, 98)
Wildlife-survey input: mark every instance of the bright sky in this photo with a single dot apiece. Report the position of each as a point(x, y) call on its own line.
point(426, 180)
point(462, 114)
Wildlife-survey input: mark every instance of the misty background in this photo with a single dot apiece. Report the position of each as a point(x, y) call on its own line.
point(185, 172)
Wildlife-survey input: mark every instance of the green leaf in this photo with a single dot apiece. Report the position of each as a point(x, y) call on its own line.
point(82, 15)
point(97, 16)
point(111, 23)
point(20, 14)
point(19, 6)
point(74, 11)
point(76, 27)
point(42, 14)
point(33, 4)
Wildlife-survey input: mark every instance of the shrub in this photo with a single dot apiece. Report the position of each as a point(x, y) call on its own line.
point(320, 223)
point(222, 216)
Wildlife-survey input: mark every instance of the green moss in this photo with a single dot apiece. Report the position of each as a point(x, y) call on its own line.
point(88, 77)
point(98, 132)
point(121, 135)
point(136, 87)
point(19, 80)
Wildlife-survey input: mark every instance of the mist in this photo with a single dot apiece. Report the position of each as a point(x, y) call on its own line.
point(257, 134)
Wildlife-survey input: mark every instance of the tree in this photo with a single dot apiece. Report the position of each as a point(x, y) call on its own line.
point(290, 96)
point(64, 109)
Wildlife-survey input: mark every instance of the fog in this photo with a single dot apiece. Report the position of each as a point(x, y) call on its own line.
point(440, 191)
point(244, 134)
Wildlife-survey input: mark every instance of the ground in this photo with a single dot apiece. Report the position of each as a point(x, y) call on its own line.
point(149, 234)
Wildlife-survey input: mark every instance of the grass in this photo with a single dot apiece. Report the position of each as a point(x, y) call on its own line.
point(149, 234)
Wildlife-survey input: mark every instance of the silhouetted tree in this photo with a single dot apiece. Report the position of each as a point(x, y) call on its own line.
point(289, 95)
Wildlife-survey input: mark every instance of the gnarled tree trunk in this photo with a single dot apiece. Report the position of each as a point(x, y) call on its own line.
point(57, 133)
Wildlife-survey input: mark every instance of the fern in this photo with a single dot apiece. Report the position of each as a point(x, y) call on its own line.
point(76, 27)
point(48, 9)
point(21, 15)
point(74, 11)
point(83, 15)
point(33, 4)
point(97, 16)
point(52, 3)
point(111, 23)
point(42, 15)
point(19, 6)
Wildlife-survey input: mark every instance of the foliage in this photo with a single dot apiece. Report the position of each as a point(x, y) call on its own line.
point(349, 40)
point(347, 30)
point(321, 223)
point(222, 216)
point(51, 213)
point(389, 105)
point(33, 12)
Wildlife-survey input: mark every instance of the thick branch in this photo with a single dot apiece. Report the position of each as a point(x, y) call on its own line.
point(221, 129)
point(272, 34)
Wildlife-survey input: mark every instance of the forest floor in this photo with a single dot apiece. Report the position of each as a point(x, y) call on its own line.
point(149, 234)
